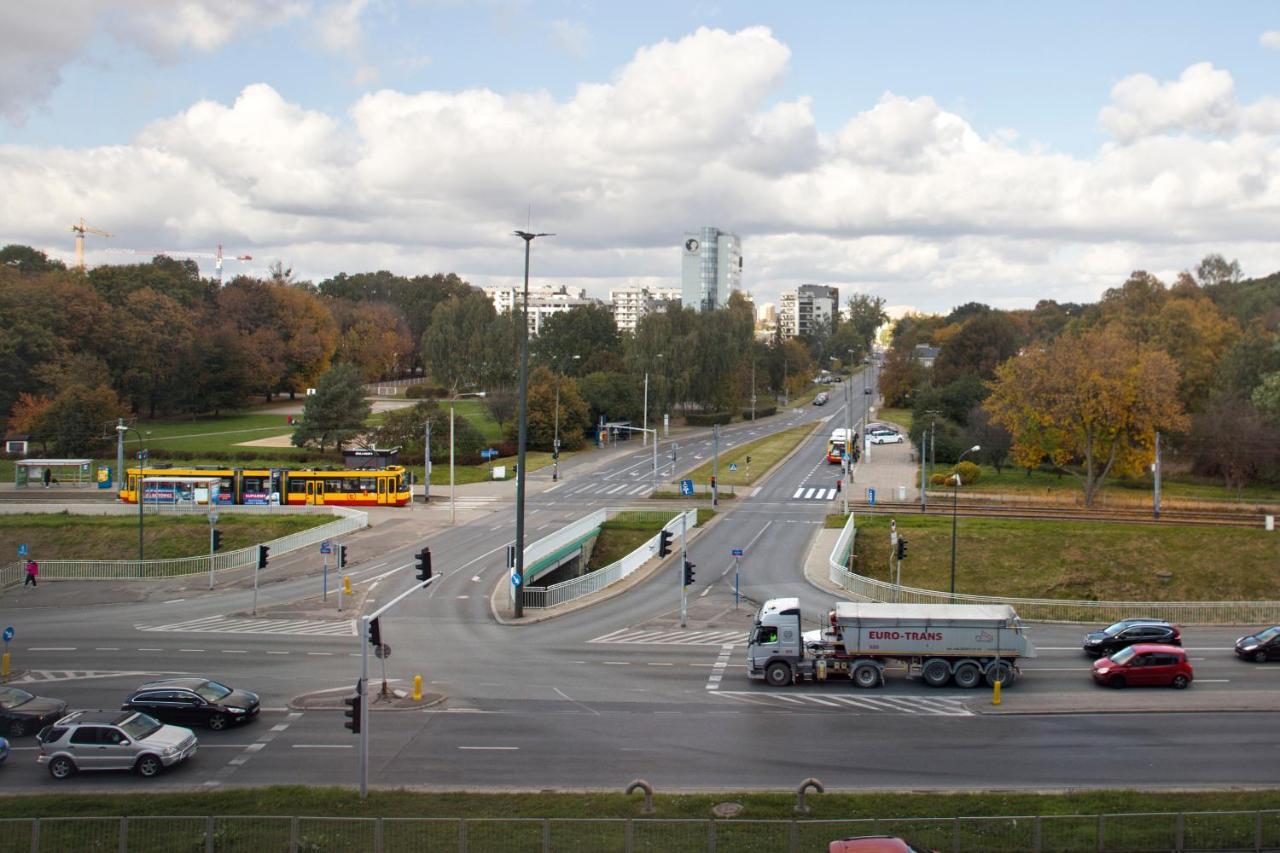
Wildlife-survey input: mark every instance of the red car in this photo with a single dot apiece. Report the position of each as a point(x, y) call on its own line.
point(1145, 664)
point(874, 844)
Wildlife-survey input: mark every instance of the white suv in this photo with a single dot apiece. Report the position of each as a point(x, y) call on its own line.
point(112, 740)
point(884, 436)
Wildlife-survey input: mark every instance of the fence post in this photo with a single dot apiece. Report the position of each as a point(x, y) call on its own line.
point(628, 837)
point(795, 836)
point(1179, 833)
point(955, 834)
point(124, 835)
point(377, 835)
point(35, 834)
point(546, 835)
point(1102, 833)
point(208, 834)
point(711, 836)
point(293, 835)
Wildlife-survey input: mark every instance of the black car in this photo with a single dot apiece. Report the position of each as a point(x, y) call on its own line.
point(193, 702)
point(1126, 632)
point(1262, 646)
point(22, 712)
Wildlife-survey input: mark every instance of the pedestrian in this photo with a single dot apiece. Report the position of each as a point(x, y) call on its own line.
point(48, 475)
point(33, 572)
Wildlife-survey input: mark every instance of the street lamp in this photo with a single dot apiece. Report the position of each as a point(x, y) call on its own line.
point(955, 490)
point(523, 434)
point(555, 443)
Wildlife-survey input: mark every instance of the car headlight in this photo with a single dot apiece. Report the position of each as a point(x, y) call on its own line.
point(236, 710)
point(1250, 647)
point(170, 750)
point(1103, 670)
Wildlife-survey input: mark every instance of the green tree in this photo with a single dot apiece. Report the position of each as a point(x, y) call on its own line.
point(584, 331)
point(982, 342)
point(1266, 397)
point(613, 396)
point(27, 260)
point(574, 415)
point(406, 429)
point(457, 347)
point(866, 315)
point(77, 420)
point(336, 412)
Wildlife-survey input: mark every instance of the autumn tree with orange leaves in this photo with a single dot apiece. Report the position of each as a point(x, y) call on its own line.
point(1090, 405)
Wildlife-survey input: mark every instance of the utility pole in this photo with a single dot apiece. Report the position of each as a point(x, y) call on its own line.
point(120, 481)
point(715, 466)
point(684, 558)
point(644, 422)
point(453, 490)
point(426, 465)
point(1155, 469)
point(753, 390)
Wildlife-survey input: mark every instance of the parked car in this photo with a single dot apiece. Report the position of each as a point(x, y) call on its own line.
point(1262, 646)
point(112, 740)
point(821, 399)
point(1145, 664)
point(885, 437)
point(1126, 632)
point(22, 712)
point(4, 750)
point(875, 844)
point(193, 702)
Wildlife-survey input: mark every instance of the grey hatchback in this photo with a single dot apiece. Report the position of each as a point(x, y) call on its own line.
point(112, 740)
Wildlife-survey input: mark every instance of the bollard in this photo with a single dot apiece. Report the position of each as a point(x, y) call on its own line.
point(801, 806)
point(995, 693)
point(346, 584)
point(648, 794)
point(4, 665)
point(417, 688)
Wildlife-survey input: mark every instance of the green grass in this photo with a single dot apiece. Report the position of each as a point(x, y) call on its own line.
point(59, 536)
point(1046, 482)
point(1077, 560)
point(901, 417)
point(704, 494)
point(624, 533)
point(764, 452)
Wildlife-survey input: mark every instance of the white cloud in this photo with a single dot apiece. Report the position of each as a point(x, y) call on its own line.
point(572, 37)
point(338, 25)
point(1270, 39)
point(905, 199)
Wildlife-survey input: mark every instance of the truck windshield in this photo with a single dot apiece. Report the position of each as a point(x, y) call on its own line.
point(766, 634)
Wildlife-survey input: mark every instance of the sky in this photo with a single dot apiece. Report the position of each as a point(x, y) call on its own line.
point(932, 154)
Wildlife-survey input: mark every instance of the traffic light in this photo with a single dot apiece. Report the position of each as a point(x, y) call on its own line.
point(713, 484)
point(688, 573)
point(375, 632)
point(902, 548)
point(664, 543)
point(263, 553)
point(839, 486)
point(555, 455)
point(424, 564)
point(217, 539)
point(342, 556)
point(353, 712)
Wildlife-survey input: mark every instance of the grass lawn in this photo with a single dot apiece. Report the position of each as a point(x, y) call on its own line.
point(624, 533)
point(764, 452)
point(901, 417)
point(60, 536)
point(1077, 560)
point(1046, 482)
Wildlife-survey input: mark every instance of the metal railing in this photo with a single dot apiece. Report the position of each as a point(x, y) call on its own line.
point(349, 521)
point(1049, 609)
point(566, 591)
point(1181, 832)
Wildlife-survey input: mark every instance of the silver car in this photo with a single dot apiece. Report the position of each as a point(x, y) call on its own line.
point(112, 740)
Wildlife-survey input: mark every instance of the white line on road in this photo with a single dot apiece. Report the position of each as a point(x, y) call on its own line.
point(150, 650)
point(500, 748)
point(57, 649)
point(322, 746)
point(235, 651)
point(175, 601)
point(107, 649)
point(191, 650)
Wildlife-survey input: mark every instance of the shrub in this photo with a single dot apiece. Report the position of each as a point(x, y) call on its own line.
point(940, 480)
point(708, 418)
point(760, 413)
point(424, 392)
point(968, 471)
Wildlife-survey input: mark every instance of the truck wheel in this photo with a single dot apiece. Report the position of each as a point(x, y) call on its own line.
point(1001, 672)
point(936, 672)
point(967, 675)
point(778, 674)
point(866, 676)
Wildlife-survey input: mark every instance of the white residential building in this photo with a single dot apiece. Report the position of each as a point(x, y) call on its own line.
point(544, 300)
point(808, 309)
point(630, 304)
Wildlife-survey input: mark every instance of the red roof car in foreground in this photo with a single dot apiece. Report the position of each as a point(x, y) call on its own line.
point(874, 844)
point(1146, 664)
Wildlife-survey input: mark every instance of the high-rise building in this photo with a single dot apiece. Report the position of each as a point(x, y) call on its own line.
point(710, 269)
point(630, 304)
point(808, 309)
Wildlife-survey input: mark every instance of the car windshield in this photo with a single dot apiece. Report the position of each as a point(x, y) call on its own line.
point(1112, 630)
point(1267, 635)
point(1123, 655)
point(140, 726)
point(12, 697)
point(212, 691)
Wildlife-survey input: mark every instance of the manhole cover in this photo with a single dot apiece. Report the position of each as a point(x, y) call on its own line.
point(726, 809)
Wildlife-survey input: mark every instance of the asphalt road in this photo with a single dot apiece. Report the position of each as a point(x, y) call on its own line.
point(600, 696)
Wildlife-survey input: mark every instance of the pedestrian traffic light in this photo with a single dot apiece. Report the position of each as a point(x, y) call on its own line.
point(264, 552)
point(713, 484)
point(424, 564)
point(217, 539)
point(555, 455)
point(664, 543)
point(353, 712)
point(839, 486)
point(902, 548)
point(342, 556)
point(375, 632)
point(688, 573)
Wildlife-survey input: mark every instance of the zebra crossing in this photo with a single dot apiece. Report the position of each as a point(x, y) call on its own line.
point(440, 503)
point(860, 704)
point(814, 493)
point(617, 490)
point(227, 625)
point(669, 637)
point(40, 676)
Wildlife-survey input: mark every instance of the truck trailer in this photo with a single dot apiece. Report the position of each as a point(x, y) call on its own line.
point(963, 644)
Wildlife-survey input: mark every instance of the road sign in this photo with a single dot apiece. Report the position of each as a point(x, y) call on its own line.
point(871, 496)
point(22, 550)
point(488, 454)
point(213, 518)
point(733, 466)
point(8, 633)
point(686, 487)
point(326, 547)
point(515, 579)
point(382, 652)
point(737, 552)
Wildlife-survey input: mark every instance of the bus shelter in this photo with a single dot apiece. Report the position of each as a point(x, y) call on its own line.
point(52, 472)
point(181, 491)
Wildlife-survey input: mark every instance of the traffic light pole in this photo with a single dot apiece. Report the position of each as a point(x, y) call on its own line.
point(684, 558)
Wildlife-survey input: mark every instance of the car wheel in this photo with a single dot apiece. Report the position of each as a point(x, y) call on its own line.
point(1181, 681)
point(61, 767)
point(778, 674)
point(148, 766)
point(1260, 657)
point(17, 728)
point(218, 722)
point(967, 675)
point(1116, 682)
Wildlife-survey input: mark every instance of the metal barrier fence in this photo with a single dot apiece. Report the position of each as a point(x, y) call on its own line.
point(1183, 832)
point(349, 521)
point(566, 591)
point(1049, 609)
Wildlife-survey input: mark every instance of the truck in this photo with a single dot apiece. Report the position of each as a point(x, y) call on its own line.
point(963, 644)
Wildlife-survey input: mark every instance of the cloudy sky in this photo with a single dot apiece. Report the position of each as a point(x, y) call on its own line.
point(929, 153)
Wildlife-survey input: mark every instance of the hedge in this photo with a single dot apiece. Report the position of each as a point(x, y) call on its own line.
point(420, 392)
point(760, 413)
point(708, 418)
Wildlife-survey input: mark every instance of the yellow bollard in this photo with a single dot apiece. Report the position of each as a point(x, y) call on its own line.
point(417, 688)
point(4, 665)
point(995, 693)
point(346, 584)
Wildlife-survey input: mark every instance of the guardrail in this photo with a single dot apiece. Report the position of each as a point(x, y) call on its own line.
point(349, 521)
point(1176, 831)
point(1049, 609)
point(566, 591)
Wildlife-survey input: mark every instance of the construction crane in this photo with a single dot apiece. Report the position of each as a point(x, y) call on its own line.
point(81, 230)
point(217, 257)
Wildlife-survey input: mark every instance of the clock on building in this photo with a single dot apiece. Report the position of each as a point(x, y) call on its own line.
point(691, 245)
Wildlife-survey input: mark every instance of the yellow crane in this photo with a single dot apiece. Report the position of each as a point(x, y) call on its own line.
point(81, 230)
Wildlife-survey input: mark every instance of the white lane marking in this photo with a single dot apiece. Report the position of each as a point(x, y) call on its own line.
point(491, 748)
point(55, 649)
point(175, 601)
point(322, 746)
point(809, 494)
point(106, 648)
point(475, 579)
point(717, 671)
point(799, 492)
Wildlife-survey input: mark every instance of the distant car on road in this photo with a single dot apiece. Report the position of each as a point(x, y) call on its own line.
point(1145, 665)
point(112, 740)
point(1126, 632)
point(22, 713)
point(1260, 647)
point(821, 399)
point(885, 437)
point(194, 702)
point(875, 844)
point(4, 750)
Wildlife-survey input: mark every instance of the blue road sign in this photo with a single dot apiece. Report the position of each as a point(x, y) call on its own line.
point(871, 496)
point(488, 454)
point(22, 550)
point(325, 547)
point(733, 466)
point(8, 633)
point(686, 487)
point(737, 552)
point(515, 579)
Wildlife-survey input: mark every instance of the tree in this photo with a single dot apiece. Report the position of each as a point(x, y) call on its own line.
point(457, 348)
point(308, 333)
point(27, 260)
point(1090, 404)
point(1233, 440)
point(336, 412)
point(373, 337)
point(156, 331)
point(981, 343)
point(866, 316)
point(901, 374)
point(994, 439)
point(406, 429)
point(1266, 397)
point(76, 421)
point(575, 418)
point(1215, 270)
point(613, 396)
point(583, 331)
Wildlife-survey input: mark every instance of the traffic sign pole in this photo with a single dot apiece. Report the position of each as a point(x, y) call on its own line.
point(684, 558)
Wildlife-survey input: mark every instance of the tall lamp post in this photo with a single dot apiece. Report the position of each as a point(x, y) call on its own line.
point(139, 493)
point(955, 490)
point(555, 442)
point(518, 579)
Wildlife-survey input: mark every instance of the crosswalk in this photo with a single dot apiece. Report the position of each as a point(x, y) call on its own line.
point(440, 503)
point(40, 676)
point(668, 637)
point(609, 488)
point(836, 702)
point(227, 625)
point(814, 493)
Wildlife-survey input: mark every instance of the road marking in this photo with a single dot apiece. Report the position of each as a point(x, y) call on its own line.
point(1213, 680)
point(52, 649)
point(277, 653)
point(717, 671)
point(106, 648)
point(809, 494)
point(235, 651)
point(475, 579)
point(322, 746)
point(669, 637)
point(494, 748)
point(799, 492)
point(191, 650)
point(616, 663)
point(150, 650)
point(659, 664)
point(463, 596)
point(227, 625)
point(175, 601)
